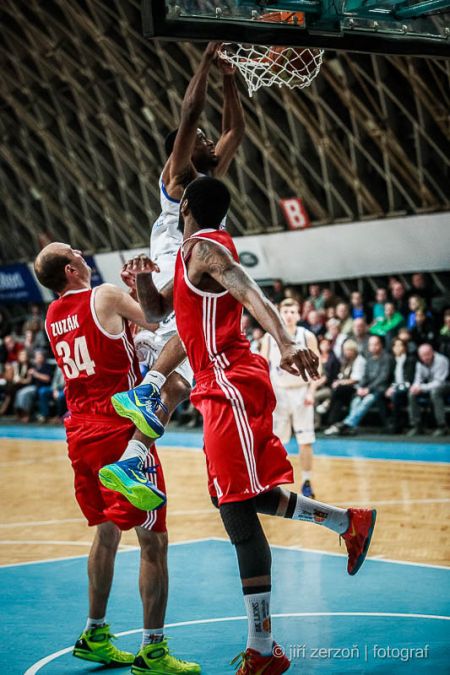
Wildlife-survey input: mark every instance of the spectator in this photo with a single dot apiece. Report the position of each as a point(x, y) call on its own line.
point(430, 383)
point(378, 306)
point(35, 320)
point(360, 334)
point(315, 296)
point(424, 331)
point(55, 393)
point(388, 327)
point(444, 335)
point(343, 388)
point(402, 378)
point(415, 304)
point(12, 347)
point(7, 389)
point(22, 380)
point(291, 293)
point(255, 342)
point(330, 313)
point(29, 343)
point(343, 315)
point(335, 336)
point(421, 287)
point(4, 326)
point(314, 323)
point(321, 388)
point(277, 294)
point(371, 388)
point(307, 307)
point(405, 335)
point(329, 299)
point(358, 310)
point(39, 377)
point(398, 293)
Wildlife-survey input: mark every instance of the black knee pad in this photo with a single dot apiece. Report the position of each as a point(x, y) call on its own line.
point(215, 502)
point(240, 520)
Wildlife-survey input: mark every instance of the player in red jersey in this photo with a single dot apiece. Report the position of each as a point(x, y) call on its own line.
point(90, 337)
point(246, 463)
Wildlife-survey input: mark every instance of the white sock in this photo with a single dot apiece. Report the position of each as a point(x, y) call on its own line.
point(259, 625)
point(152, 635)
point(94, 622)
point(153, 377)
point(306, 475)
point(134, 449)
point(312, 511)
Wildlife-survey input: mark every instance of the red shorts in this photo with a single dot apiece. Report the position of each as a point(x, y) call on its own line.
point(243, 456)
point(94, 442)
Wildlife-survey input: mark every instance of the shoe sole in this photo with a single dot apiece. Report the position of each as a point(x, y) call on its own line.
point(143, 497)
point(144, 671)
point(121, 403)
point(362, 557)
point(90, 656)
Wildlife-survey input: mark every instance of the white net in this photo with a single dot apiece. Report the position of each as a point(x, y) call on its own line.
point(263, 66)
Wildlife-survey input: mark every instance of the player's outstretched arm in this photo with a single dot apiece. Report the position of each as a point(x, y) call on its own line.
point(179, 170)
point(233, 121)
point(112, 305)
point(155, 304)
point(208, 258)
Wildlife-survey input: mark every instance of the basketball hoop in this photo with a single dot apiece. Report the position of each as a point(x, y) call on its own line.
point(265, 66)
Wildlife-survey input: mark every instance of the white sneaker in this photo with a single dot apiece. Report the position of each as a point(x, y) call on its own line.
point(332, 431)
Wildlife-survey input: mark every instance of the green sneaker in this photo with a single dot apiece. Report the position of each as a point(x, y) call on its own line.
point(157, 660)
point(95, 645)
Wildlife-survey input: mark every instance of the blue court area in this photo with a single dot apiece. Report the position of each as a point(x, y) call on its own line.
point(391, 617)
point(340, 447)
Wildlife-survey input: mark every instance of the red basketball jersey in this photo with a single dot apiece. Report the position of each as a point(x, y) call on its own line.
point(209, 324)
point(95, 364)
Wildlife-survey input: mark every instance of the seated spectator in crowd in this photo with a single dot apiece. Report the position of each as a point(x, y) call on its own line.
point(256, 341)
point(335, 336)
point(11, 349)
point(306, 308)
point(7, 388)
point(420, 286)
point(39, 377)
point(22, 379)
point(314, 323)
point(415, 304)
point(388, 327)
point(321, 389)
point(371, 388)
point(330, 313)
point(444, 335)
point(378, 306)
point(404, 369)
point(344, 386)
point(277, 294)
point(35, 319)
point(360, 334)
point(430, 384)
point(424, 330)
point(329, 299)
point(55, 393)
point(357, 308)
point(343, 315)
point(293, 294)
point(405, 335)
point(315, 296)
point(29, 343)
point(399, 298)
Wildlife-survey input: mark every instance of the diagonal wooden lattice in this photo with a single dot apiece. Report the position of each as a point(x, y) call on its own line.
point(85, 103)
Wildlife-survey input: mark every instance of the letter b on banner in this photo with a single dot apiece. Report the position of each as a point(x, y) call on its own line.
point(295, 213)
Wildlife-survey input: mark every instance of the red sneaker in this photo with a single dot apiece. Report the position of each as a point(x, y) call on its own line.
point(254, 663)
point(358, 535)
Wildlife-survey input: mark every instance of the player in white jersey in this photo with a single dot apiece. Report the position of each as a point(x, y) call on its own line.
point(190, 154)
point(295, 400)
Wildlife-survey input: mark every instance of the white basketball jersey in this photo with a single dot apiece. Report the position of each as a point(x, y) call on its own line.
point(279, 377)
point(165, 240)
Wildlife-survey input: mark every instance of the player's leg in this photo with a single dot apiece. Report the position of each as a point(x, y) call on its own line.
point(254, 559)
point(303, 424)
point(154, 655)
point(355, 526)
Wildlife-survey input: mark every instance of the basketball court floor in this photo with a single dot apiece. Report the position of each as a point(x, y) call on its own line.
point(393, 616)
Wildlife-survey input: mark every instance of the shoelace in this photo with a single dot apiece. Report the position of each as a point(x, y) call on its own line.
point(154, 403)
point(243, 659)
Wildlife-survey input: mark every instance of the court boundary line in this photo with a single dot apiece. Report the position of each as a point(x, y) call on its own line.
point(36, 667)
point(226, 541)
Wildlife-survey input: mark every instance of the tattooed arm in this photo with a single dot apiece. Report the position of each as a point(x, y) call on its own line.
point(210, 259)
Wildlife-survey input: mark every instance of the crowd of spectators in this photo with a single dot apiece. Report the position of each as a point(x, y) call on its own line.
point(385, 353)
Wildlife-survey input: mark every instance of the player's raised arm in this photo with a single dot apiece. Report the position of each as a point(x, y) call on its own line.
point(179, 170)
point(233, 121)
point(155, 304)
point(112, 304)
point(208, 258)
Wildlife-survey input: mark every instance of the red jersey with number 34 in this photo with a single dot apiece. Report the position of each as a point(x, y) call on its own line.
point(95, 363)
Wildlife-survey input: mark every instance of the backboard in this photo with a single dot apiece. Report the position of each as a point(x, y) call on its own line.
point(414, 27)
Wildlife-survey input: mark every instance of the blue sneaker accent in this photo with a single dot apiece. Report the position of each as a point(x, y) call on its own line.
point(140, 405)
point(130, 479)
point(307, 490)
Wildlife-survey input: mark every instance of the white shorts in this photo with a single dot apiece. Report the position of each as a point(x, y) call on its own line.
point(148, 347)
point(292, 415)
